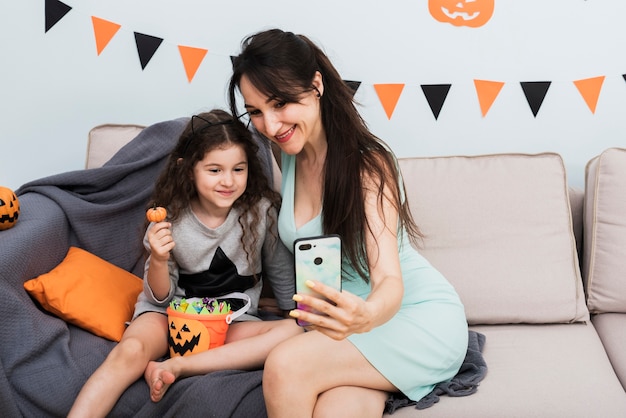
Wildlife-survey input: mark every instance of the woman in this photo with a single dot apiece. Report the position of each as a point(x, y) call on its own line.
point(398, 325)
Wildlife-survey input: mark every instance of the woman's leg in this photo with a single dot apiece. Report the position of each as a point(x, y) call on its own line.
point(351, 401)
point(145, 339)
point(302, 368)
point(246, 348)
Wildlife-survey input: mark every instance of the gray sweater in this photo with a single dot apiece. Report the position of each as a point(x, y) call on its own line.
point(199, 249)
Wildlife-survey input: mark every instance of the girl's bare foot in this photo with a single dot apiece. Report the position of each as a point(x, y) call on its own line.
point(159, 378)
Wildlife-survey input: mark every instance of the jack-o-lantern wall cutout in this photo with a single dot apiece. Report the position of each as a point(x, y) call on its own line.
point(471, 13)
point(9, 208)
point(187, 336)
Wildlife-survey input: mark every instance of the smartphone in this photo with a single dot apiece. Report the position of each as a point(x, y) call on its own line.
point(316, 258)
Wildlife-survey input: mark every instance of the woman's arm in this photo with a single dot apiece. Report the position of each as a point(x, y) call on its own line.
point(351, 313)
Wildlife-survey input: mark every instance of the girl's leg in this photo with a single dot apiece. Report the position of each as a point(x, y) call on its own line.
point(145, 339)
point(302, 368)
point(246, 348)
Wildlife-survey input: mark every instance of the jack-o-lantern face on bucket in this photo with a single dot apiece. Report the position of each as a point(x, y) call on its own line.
point(9, 208)
point(187, 336)
point(472, 13)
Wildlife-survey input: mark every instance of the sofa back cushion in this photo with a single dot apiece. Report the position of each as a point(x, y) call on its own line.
point(604, 257)
point(499, 227)
point(105, 140)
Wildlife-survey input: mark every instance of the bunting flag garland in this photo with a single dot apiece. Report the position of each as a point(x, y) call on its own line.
point(535, 92)
point(353, 85)
point(104, 31)
point(146, 47)
point(55, 11)
point(436, 96)
point(589, 88)
point(487, 92)
point(388, 94)
point(192, 58)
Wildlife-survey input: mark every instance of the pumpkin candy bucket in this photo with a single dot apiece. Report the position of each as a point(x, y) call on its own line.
point(198, 324)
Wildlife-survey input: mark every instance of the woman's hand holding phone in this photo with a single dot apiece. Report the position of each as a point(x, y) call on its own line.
point(341, 313)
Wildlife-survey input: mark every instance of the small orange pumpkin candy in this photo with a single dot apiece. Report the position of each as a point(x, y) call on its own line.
point(9, 208)
point(156, 214)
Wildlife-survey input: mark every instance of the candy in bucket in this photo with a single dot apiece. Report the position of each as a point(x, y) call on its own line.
point(198, 324)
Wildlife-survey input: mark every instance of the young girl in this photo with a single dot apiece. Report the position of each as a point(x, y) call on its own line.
point(220, 236)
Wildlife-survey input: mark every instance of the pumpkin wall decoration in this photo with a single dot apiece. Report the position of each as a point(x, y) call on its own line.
point(9, 208)
point(187, 336)
point(471, 13)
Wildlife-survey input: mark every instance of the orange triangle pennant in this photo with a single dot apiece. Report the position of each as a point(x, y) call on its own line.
point(487, 91)
point(192, 58)
point(104, 32)
point(388, 94)
point(589, 88)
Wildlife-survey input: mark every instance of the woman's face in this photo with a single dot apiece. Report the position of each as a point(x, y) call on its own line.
point(290, 125)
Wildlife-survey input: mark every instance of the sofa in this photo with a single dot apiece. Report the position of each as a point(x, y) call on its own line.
point(540, 267)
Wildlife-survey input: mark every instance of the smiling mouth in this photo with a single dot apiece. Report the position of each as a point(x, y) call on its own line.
point(462, 15)
point(286, 135)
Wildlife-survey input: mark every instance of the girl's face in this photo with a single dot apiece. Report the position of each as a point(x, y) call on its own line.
point(221, 177)
point(290, 125)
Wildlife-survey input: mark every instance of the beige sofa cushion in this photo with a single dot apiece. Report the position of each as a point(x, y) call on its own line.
point(604, 258)
point(546, 371)
point(105, 140)
point(611, 328)
point(499, 227)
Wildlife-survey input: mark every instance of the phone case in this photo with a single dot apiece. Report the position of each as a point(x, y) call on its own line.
point(317, 258)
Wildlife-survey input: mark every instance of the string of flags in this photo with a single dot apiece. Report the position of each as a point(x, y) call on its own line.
point(388, 93)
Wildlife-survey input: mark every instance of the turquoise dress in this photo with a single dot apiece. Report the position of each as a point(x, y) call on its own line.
point(426, 341)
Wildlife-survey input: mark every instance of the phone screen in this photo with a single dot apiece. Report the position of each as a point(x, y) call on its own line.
point(317, 258)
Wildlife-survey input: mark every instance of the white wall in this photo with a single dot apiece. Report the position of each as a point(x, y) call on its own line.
point(54, 87)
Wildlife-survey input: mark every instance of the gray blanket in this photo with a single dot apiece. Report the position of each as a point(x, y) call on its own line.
point(44, 361)
point(466, 381)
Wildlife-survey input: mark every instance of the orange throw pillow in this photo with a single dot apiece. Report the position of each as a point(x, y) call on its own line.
point(88, 292)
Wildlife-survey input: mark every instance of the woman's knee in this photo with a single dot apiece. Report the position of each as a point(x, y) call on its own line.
point(278, 358)
point(350, 401)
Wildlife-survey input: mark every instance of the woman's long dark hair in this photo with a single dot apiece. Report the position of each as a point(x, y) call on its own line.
point(282, 65)
point(175, 188)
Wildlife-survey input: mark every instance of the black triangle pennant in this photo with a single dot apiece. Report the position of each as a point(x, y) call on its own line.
point(146, 47)
point(436, 95)
point(354, 85)
point(535, 92)
point(55, 10)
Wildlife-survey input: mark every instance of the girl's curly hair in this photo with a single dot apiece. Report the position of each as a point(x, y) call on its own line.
point(175, 187)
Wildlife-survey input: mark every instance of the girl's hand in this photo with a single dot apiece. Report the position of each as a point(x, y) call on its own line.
point(161, 241)
point(349, 315)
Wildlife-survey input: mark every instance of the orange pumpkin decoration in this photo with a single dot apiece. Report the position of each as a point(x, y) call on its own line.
point(187, 336)
point(9, 208)
point(195, 333)
point(156, 214)
point(471, 13)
